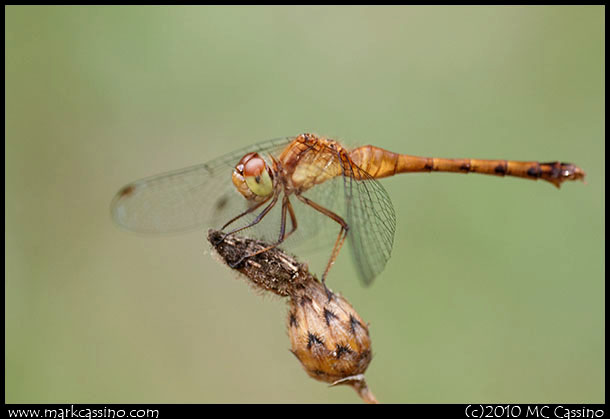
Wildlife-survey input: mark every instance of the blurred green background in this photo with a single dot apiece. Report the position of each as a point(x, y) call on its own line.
point(494, 293)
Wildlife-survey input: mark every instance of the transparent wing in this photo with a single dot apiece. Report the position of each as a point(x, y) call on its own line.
point(371, 220)
point(188, 198)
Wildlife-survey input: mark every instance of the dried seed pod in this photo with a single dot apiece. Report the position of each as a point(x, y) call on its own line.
point(327, 336)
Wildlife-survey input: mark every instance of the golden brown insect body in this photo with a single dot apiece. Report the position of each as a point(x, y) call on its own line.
point(310, 160)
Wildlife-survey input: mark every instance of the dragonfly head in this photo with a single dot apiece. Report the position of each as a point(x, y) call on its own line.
point(252, 177)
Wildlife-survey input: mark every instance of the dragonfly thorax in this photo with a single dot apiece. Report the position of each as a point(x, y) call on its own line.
point(252, 178)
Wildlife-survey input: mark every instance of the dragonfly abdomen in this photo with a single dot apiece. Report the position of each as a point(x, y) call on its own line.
point(381, 163)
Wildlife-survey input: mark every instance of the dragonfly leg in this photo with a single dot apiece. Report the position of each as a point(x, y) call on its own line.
point(237, 217)
point(340, 238)
point(246, 212)
point(232, 220)
point(286, 207)
point(293, 218)
point(257, 220)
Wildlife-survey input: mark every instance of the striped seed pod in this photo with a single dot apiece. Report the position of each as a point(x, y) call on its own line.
point(329, 338)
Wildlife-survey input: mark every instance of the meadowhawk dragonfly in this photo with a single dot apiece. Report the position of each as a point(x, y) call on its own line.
point(306, 184)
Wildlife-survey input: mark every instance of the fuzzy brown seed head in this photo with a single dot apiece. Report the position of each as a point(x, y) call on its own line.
point(328, 337)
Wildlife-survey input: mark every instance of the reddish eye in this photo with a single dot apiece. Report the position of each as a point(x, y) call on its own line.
point(247, 157)
point(254, 167)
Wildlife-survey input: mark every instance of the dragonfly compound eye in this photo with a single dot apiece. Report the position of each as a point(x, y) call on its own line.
point(257, 177)
point(251, 177)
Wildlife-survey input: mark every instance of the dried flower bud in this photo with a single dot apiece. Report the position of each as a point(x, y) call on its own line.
point(328, 337)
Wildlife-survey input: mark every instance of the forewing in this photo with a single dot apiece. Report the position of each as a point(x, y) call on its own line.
point(189, 198)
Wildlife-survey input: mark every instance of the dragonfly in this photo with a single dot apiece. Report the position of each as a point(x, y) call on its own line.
point(306, 183)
